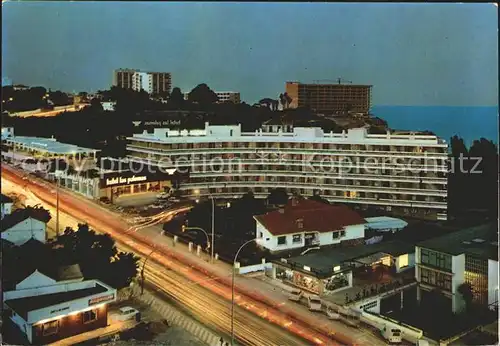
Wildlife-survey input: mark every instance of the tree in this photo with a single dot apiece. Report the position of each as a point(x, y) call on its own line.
point(97, 256)
point(176, 99)
point(203, 95)
point(465, 290)
point(96, 105)
point(317, 197)
point(277, 196)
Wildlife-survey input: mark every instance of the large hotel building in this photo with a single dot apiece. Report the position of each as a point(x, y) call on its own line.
point(151, 82)
point(330, 98)
point(396, 172)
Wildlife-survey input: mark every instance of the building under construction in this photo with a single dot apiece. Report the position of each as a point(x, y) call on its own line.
point(330, 98)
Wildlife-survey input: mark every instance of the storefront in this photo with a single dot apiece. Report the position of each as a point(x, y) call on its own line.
point(115, 184)
point(50, 313)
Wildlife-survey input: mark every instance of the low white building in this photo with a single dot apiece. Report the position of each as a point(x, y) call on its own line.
point(25, 224)
point(47, 309)
point(306, 223)
point(466, 256)
point(6, 203)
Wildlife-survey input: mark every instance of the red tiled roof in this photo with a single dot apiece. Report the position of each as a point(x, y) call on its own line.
point(316, 217)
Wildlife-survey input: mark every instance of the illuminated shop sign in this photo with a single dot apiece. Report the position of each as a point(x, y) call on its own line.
point(156, 123)
point(101, 299)
point(122, 180)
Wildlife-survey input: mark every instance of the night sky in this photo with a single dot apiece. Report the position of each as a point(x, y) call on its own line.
point(413, 54)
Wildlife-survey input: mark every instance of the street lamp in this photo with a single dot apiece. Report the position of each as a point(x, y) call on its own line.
point(144, 264)
point(185, 228)
point(232, 287)
point(197, 192)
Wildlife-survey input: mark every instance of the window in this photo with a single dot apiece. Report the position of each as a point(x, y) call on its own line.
point(297, 238)
point(435, 278)
point(89, 316)
point(282, 240)
point(335, 235)
point(403, 261)
point(342, 233)
point(50, 328)
point(435, 259)
point(261, 235)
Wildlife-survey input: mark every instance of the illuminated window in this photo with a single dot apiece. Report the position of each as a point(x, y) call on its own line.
point(403, 260)
point(89, 316)
point(297, 238)
point(50, 328)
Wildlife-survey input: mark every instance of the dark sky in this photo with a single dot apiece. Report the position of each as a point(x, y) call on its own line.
point(413, 54)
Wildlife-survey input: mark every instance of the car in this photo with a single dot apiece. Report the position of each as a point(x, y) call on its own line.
point(295, 295)
point(314, 303)
point(126, 313)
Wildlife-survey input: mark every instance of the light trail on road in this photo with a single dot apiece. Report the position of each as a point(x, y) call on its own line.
point(105, 221)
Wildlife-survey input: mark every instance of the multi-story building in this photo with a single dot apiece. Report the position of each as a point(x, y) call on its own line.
point(224, 96)
point(407, 173)
point(122, 78)
point(152, 82)
point(469, 255)
point(330, 98)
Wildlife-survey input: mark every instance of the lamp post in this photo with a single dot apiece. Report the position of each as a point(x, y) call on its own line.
point(186, 228)
point(232, 287)
point(144, 264)
point(213, 221)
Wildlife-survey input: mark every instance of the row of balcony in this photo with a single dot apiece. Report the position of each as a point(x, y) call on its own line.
point(313, 165)
point(273, 150)
point(324, 187)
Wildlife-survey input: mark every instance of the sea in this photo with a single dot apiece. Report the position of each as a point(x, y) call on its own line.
point(469, 123)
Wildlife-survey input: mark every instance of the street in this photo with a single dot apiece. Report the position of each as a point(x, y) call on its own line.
point(209, 297)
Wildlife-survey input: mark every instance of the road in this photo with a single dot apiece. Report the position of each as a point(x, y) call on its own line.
point(175, 275)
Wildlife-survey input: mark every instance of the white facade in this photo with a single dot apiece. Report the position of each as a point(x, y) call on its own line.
point(34, 280)
point(492, 282)
point(224, 96)
point(142, 81)
point(7, 132)
point(25, 230)
point(6, 208)
point(407, 172)
point(297, 240)
point(108, 106)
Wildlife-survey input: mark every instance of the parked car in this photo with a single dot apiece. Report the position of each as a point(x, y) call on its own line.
point(295, 295)
point(126, 313)
point(333, 315)
point(314, 303)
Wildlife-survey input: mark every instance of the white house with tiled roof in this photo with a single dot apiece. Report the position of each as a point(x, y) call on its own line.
point(25, 224)
point(306, 223)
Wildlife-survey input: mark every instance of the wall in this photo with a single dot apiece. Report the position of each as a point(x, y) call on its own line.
point(409, 333)
point(458, 270)
point(270, 241)
point(352, 232)
point(255, 268)
point(6, 209)
point(492, 281)
point(71, 325)
point(23, 326)
point(36, 279)
point(67, 307)
point(25, 230)
point(411, 263)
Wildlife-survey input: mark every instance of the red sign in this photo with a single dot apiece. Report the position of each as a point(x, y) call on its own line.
point(101, 299)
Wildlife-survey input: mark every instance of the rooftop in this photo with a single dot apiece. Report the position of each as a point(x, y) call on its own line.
point(480, 241)
point(22, 306)
point(212, 133)
point(385, 222)
point(49, 145)
point(322, 261)
point(314, 216)
point(20, 215)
